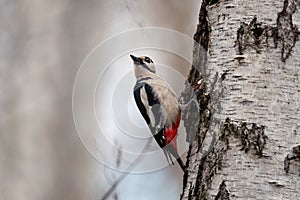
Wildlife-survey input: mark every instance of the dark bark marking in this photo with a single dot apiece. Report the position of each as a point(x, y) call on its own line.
point(252, 137)
point(257, 37)
point(286, 31)
point(223, 193)
point(295, 156)
point(211, 2)
point(251, 35)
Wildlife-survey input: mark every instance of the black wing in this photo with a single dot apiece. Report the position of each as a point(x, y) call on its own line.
point(153, 106)
point(138, 100)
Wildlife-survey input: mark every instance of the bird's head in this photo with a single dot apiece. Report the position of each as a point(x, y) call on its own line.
point(143, 66)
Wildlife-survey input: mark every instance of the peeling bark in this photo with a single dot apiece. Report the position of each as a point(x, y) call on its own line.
point(248, 99)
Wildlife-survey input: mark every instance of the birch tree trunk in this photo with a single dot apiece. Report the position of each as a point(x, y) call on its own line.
point(249, 101)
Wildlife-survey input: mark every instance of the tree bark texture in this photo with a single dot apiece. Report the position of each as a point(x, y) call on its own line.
point(249, 99)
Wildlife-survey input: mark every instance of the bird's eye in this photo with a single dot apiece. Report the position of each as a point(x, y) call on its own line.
point(148, 60)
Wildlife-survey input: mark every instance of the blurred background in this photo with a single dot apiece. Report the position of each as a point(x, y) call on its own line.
point(43, 44)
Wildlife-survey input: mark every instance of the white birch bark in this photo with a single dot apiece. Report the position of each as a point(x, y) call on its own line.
point(253, 48)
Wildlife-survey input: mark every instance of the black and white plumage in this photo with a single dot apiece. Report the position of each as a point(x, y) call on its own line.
point(158, 105)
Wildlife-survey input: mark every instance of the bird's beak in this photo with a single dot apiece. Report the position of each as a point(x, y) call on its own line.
point(136, 60)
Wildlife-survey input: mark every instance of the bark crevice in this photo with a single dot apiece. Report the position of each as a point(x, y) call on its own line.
point(223, 193)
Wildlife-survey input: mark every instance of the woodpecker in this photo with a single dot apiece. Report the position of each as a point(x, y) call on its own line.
point(158, 105)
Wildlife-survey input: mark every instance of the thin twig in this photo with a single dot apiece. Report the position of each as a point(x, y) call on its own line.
point(128, 170)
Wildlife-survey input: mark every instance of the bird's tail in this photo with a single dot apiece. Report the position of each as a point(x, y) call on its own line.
point(172, 150)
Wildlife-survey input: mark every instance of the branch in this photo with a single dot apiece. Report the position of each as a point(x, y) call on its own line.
point(128, 170)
